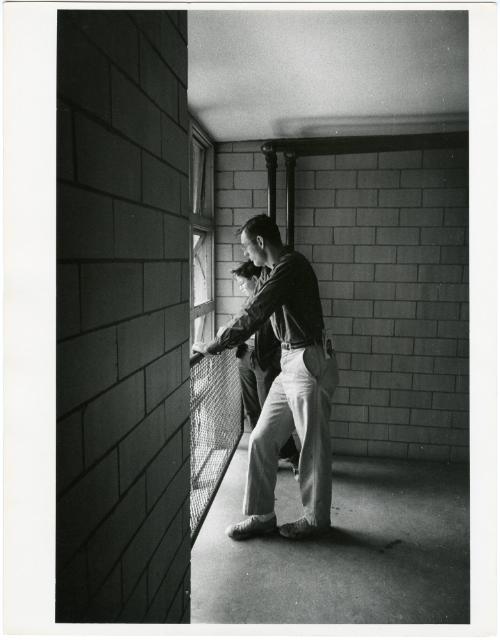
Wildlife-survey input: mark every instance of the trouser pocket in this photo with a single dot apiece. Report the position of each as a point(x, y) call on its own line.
point(324, 370)
point(313, 360)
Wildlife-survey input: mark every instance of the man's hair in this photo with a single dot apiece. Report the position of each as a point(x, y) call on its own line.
point(262, 226)
point(247, 270)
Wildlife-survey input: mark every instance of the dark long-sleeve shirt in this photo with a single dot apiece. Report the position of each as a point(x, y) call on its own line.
point(289, 295)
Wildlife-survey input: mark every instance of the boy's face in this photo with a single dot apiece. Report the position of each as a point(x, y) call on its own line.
point(247, 286)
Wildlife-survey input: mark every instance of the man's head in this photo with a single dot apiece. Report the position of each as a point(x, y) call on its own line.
point(260, 239)
point(247, 275)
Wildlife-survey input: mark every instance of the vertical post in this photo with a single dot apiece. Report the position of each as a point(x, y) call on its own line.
point(271, 164)
point(290, 197)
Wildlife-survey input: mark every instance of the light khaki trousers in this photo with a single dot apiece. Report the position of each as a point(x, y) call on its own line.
point(300, 396)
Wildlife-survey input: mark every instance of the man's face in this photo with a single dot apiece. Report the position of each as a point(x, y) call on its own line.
point(252, 250)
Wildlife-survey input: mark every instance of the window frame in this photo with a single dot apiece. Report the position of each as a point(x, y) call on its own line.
point(203, 222)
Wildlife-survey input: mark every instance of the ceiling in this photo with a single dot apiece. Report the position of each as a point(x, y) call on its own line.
point(259, 74)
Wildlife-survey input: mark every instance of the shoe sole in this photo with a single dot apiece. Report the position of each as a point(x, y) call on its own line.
point(304, 536)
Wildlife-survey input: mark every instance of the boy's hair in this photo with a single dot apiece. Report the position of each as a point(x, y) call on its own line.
point(247, 270)
point(262, 226)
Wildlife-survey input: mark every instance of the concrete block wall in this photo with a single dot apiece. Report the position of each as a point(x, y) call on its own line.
point(123, 538)
point(387, 234)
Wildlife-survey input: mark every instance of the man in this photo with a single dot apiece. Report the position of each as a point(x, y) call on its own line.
point(300, 394)
point(259, 364)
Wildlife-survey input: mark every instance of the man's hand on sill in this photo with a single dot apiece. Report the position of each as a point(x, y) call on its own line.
point(200, 347)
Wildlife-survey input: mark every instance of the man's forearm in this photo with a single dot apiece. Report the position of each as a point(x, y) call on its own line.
point(240, 330)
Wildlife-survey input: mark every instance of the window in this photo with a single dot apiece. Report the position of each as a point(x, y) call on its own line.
point(202, 230)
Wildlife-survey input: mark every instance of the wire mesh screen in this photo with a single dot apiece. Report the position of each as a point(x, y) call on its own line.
point(216, 427)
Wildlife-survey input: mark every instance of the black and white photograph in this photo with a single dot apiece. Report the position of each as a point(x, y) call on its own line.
point(262, 351)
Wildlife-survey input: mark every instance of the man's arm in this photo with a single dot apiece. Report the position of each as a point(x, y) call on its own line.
point(270, 297)
point(201, 347)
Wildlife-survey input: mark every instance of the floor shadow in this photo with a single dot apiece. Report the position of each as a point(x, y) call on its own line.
point(346, 538)
point(340, 538)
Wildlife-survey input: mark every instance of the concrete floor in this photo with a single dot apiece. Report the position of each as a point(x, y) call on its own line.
point(398, 551)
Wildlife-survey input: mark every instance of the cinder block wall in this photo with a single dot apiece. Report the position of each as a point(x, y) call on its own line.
point(387, 236)
point(123, 540)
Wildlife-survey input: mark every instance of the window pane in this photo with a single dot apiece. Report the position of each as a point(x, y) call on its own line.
point(204, 328)
point(201, 267)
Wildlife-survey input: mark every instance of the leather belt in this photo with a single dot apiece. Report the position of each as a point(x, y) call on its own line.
point(297, 345)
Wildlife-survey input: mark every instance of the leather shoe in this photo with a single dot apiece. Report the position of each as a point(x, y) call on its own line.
point(251, 527)
point(301, 529)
